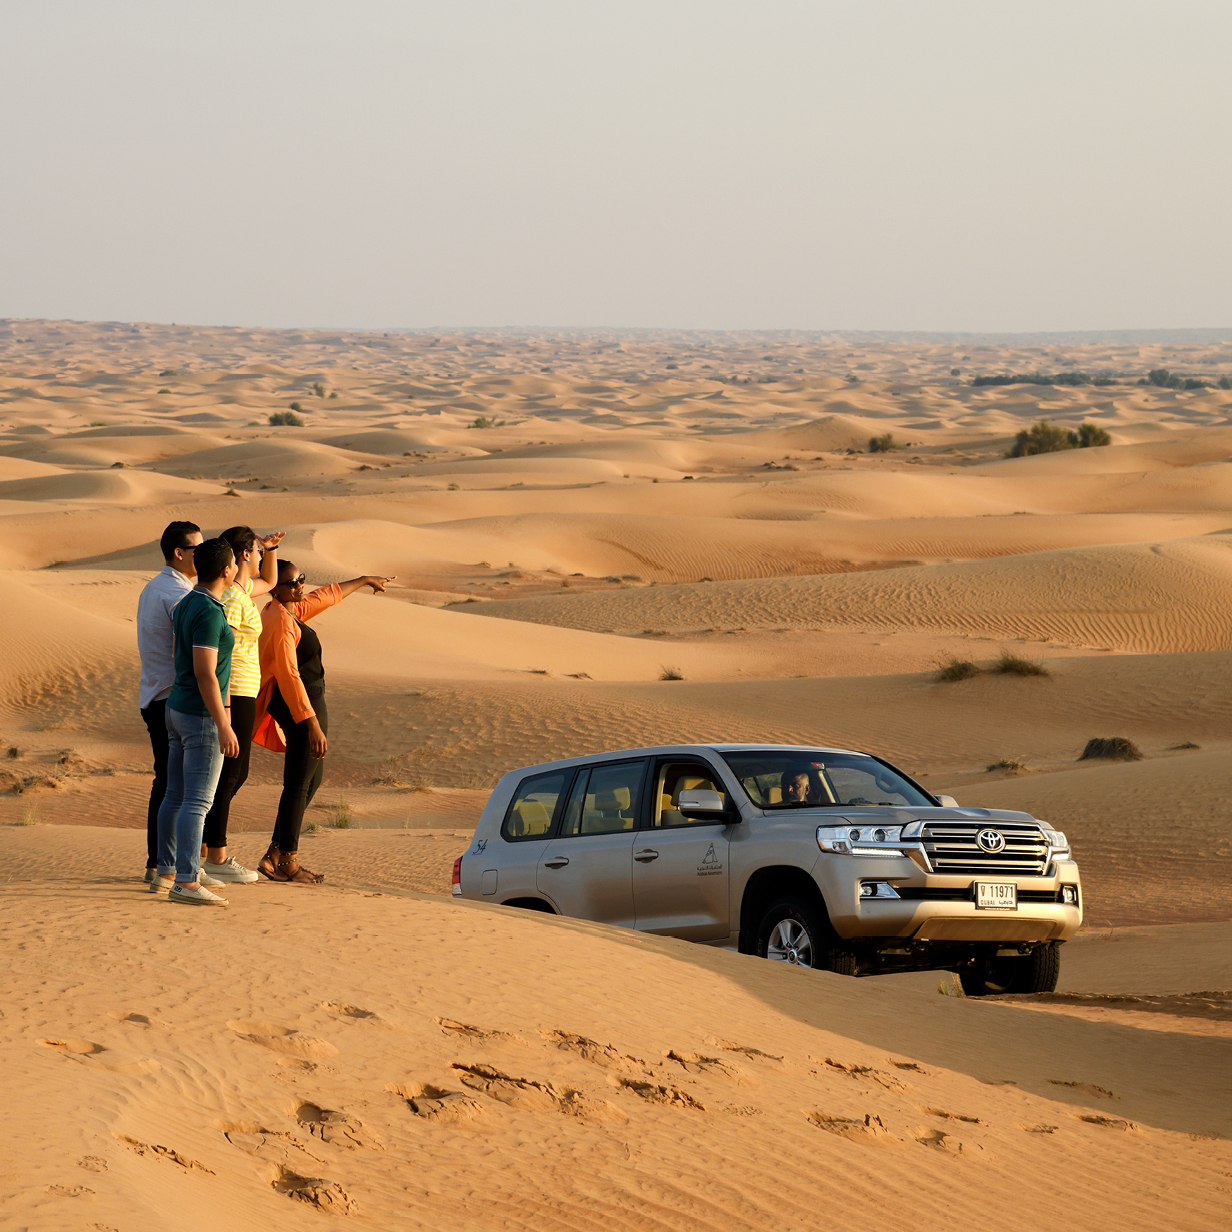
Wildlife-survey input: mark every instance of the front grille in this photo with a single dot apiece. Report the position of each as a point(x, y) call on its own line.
point(966, 894)
point(951, 848)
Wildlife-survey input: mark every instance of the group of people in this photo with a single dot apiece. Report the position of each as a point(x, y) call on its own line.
point(217, 675)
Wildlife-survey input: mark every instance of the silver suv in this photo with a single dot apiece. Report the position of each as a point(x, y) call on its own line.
point(820, 857)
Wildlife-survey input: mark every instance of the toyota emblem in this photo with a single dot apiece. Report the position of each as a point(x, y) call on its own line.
point(990, 841)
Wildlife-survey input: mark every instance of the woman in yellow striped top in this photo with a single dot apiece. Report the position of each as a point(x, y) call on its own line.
point(257, 558)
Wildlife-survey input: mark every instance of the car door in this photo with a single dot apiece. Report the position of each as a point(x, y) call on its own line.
point(508, 865)
point(587, 870)
point(680, 865)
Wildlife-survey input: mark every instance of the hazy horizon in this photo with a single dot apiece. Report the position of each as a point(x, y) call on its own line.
point(944, 169)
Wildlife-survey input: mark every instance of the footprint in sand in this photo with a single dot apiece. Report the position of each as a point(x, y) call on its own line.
point(1086, 1088)
point(528, 1095)
point(939, 1141)
point(353, 1013)
point(864, 1073)
point(97, 1054)
point(727, 1046)
point(603, 1055)
point(694, 1063)
point(164, 1152)
point(464, 1029)
point(1128, 1127)
point(659, 1093)
point(868, 1132)
point(952, 1116)
point(437, 1104)
point(285, 1040)
point(325, 1195)
point(336, 1127)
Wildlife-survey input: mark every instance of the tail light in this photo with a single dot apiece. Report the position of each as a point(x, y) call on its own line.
point(457, 877)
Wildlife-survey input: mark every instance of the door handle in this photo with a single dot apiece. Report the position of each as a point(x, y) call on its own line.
point(556, 862)
point(646, 855)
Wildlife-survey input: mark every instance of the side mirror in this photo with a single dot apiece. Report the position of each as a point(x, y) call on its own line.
point(948, 802)
point(700, 802)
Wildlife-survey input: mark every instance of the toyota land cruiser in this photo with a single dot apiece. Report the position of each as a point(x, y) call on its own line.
point(821, 857)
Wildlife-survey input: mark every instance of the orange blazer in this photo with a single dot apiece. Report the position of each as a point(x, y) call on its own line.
point(276, 646)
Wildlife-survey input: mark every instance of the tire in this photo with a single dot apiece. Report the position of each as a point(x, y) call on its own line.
point(1034, 972)
point(797, 931)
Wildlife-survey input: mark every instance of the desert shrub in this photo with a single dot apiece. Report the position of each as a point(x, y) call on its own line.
point(1015, 665)
point(1008, 763)
point(955, 372)
point(1225, 382)
point(671, 673)
point(484, 422)
point(1088, 436)
point(885, 443)
point(1111, 748)
point(318, 389)
point(1161, 378)
point(957, 669)
point(339, 815)
point(286, 419)
point(1043, 437)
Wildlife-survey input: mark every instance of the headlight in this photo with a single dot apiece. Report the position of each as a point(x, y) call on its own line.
point(1057, 841)
point(860, 840)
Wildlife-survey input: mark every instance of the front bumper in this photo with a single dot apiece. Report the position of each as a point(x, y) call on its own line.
point(933, 907)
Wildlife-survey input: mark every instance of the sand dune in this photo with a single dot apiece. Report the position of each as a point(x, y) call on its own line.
point(621, 507)
point(1162, 597)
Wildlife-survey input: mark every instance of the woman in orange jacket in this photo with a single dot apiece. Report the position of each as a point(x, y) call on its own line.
point(291, 712)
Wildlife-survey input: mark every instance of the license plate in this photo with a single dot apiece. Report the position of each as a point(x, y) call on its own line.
point(996, 896)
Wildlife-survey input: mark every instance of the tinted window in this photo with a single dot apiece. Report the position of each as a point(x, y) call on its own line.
point(675, 777)
point(806, 778)
point(534, 805)
point(604, 799)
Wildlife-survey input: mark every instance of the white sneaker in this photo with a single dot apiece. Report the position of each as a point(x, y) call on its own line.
point(203, 878)
point(200, 897)
point(229, 870)
point(160, 885)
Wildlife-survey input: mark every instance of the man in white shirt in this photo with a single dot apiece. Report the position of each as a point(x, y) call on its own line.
point(157, 647)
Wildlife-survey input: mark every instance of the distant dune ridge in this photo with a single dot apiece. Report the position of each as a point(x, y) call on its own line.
point(569, 514)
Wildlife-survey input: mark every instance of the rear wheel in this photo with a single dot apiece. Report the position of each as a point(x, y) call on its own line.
point(1034, 972)
point(796, 931)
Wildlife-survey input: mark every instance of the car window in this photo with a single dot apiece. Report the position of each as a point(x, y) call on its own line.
point(803, 778)
point(677, 776)
point(534, 805)
point(604, 799)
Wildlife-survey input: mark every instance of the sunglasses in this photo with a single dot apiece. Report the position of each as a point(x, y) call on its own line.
point(297, 581)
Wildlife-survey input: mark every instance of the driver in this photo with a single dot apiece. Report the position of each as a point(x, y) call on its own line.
point(796, 785)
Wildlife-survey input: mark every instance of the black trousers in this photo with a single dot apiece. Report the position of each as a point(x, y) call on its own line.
point(234, 772)
point(155, 719)
point(301, 772)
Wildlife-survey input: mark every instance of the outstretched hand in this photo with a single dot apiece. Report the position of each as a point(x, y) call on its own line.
point(271, 542)
point(377, 583)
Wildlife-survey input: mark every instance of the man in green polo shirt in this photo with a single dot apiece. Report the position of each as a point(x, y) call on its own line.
point(199, 731)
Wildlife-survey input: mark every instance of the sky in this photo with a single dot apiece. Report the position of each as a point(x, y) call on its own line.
point(772, 164)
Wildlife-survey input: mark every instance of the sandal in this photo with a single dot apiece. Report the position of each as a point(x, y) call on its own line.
point(291, 870)
point(268, 865)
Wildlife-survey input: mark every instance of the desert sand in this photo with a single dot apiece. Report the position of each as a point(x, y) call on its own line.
point(572, 517)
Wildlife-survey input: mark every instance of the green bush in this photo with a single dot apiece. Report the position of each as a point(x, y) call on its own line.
point(1043, 437)
point(1161, 378)
point(484, 422)
point(1089, 435)
point(1015, 665)
point(885, 443)
point(957, 669)
point(286, 419)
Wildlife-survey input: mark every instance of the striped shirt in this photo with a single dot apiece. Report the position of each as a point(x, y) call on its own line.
point(244, 618)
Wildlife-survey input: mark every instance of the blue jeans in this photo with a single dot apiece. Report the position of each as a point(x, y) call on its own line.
point(194, 762)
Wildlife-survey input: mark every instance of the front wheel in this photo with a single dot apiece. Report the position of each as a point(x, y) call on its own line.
point(796, 931)
point(1034, 972)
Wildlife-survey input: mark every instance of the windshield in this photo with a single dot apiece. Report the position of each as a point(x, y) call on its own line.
point(813, 778)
